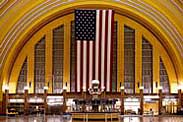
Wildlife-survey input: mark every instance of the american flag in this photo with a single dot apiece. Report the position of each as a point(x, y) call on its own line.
point(94, 38)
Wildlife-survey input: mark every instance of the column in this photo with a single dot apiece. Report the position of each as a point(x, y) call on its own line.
point(156, 69)
point(49, 63)
point(141, 100)
point(84, 93)
point(30, 70)
point(1, 102)
point(160, 99)
point(67, 40)
point(64, 97)
point(103, 96)
point(179, 100)
point(84, 99)
point(6, 99)
point(120, 54)
point(26, 100)
point(138, 60)
point(45, 99)
point(122, 99)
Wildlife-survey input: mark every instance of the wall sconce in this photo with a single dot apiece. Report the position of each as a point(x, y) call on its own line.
point(179, 87)
point(141, 87)
point(160, 88)
point(122, 88)
point(26, 88)
point(6, 87)
point(64, 88)
point(45, 87)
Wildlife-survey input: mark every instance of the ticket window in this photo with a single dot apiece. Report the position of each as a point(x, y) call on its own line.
point(132, 105)
point(153, 104)
point(170, 105)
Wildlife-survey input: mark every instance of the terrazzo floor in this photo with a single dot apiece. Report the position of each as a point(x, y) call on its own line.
point(60, 118)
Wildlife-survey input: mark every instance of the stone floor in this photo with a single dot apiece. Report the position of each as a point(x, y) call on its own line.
point(58, 118)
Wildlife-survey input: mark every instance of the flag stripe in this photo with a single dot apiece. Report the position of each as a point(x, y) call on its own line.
point(78, 65)
point(93, 76)
point(100, 38)
point(90, 62)
point(97, 45)
point(75, 46)
point(106, 39)
point(81, 67)
point(109, 52)
point(84, 64)
point(103, 47)
point(88, 68)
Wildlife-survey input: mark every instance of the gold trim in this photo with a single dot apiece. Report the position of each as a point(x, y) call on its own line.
point(30, 69)
point(156, 69)
point(67, 39)
point(16, 72)
point(120, 53)
point(138, 60)
point(48, 63)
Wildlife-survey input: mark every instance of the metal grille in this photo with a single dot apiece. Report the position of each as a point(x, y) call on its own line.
point(39, 69)
point(129, 60)
point(164, 79)
point(22, 79)
point(58, 58)
point(147, 70)
point(73, 58)
point(114, 65)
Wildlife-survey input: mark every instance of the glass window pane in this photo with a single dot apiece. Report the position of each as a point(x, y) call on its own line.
point(129, 59)
point(147, 69)
point(39, 67)
point(58, 58)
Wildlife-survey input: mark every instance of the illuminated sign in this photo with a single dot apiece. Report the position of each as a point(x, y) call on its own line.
point(16, 100)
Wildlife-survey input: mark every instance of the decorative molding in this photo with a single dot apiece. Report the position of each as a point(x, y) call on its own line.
point(160, 19)
point(2, 3)
point(9, 7)
point(24, 22)
point(177, 5)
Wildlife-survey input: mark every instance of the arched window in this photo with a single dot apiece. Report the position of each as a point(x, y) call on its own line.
point(147, 63)
point(39, 68)
point(58, 58)
point(129, 59)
